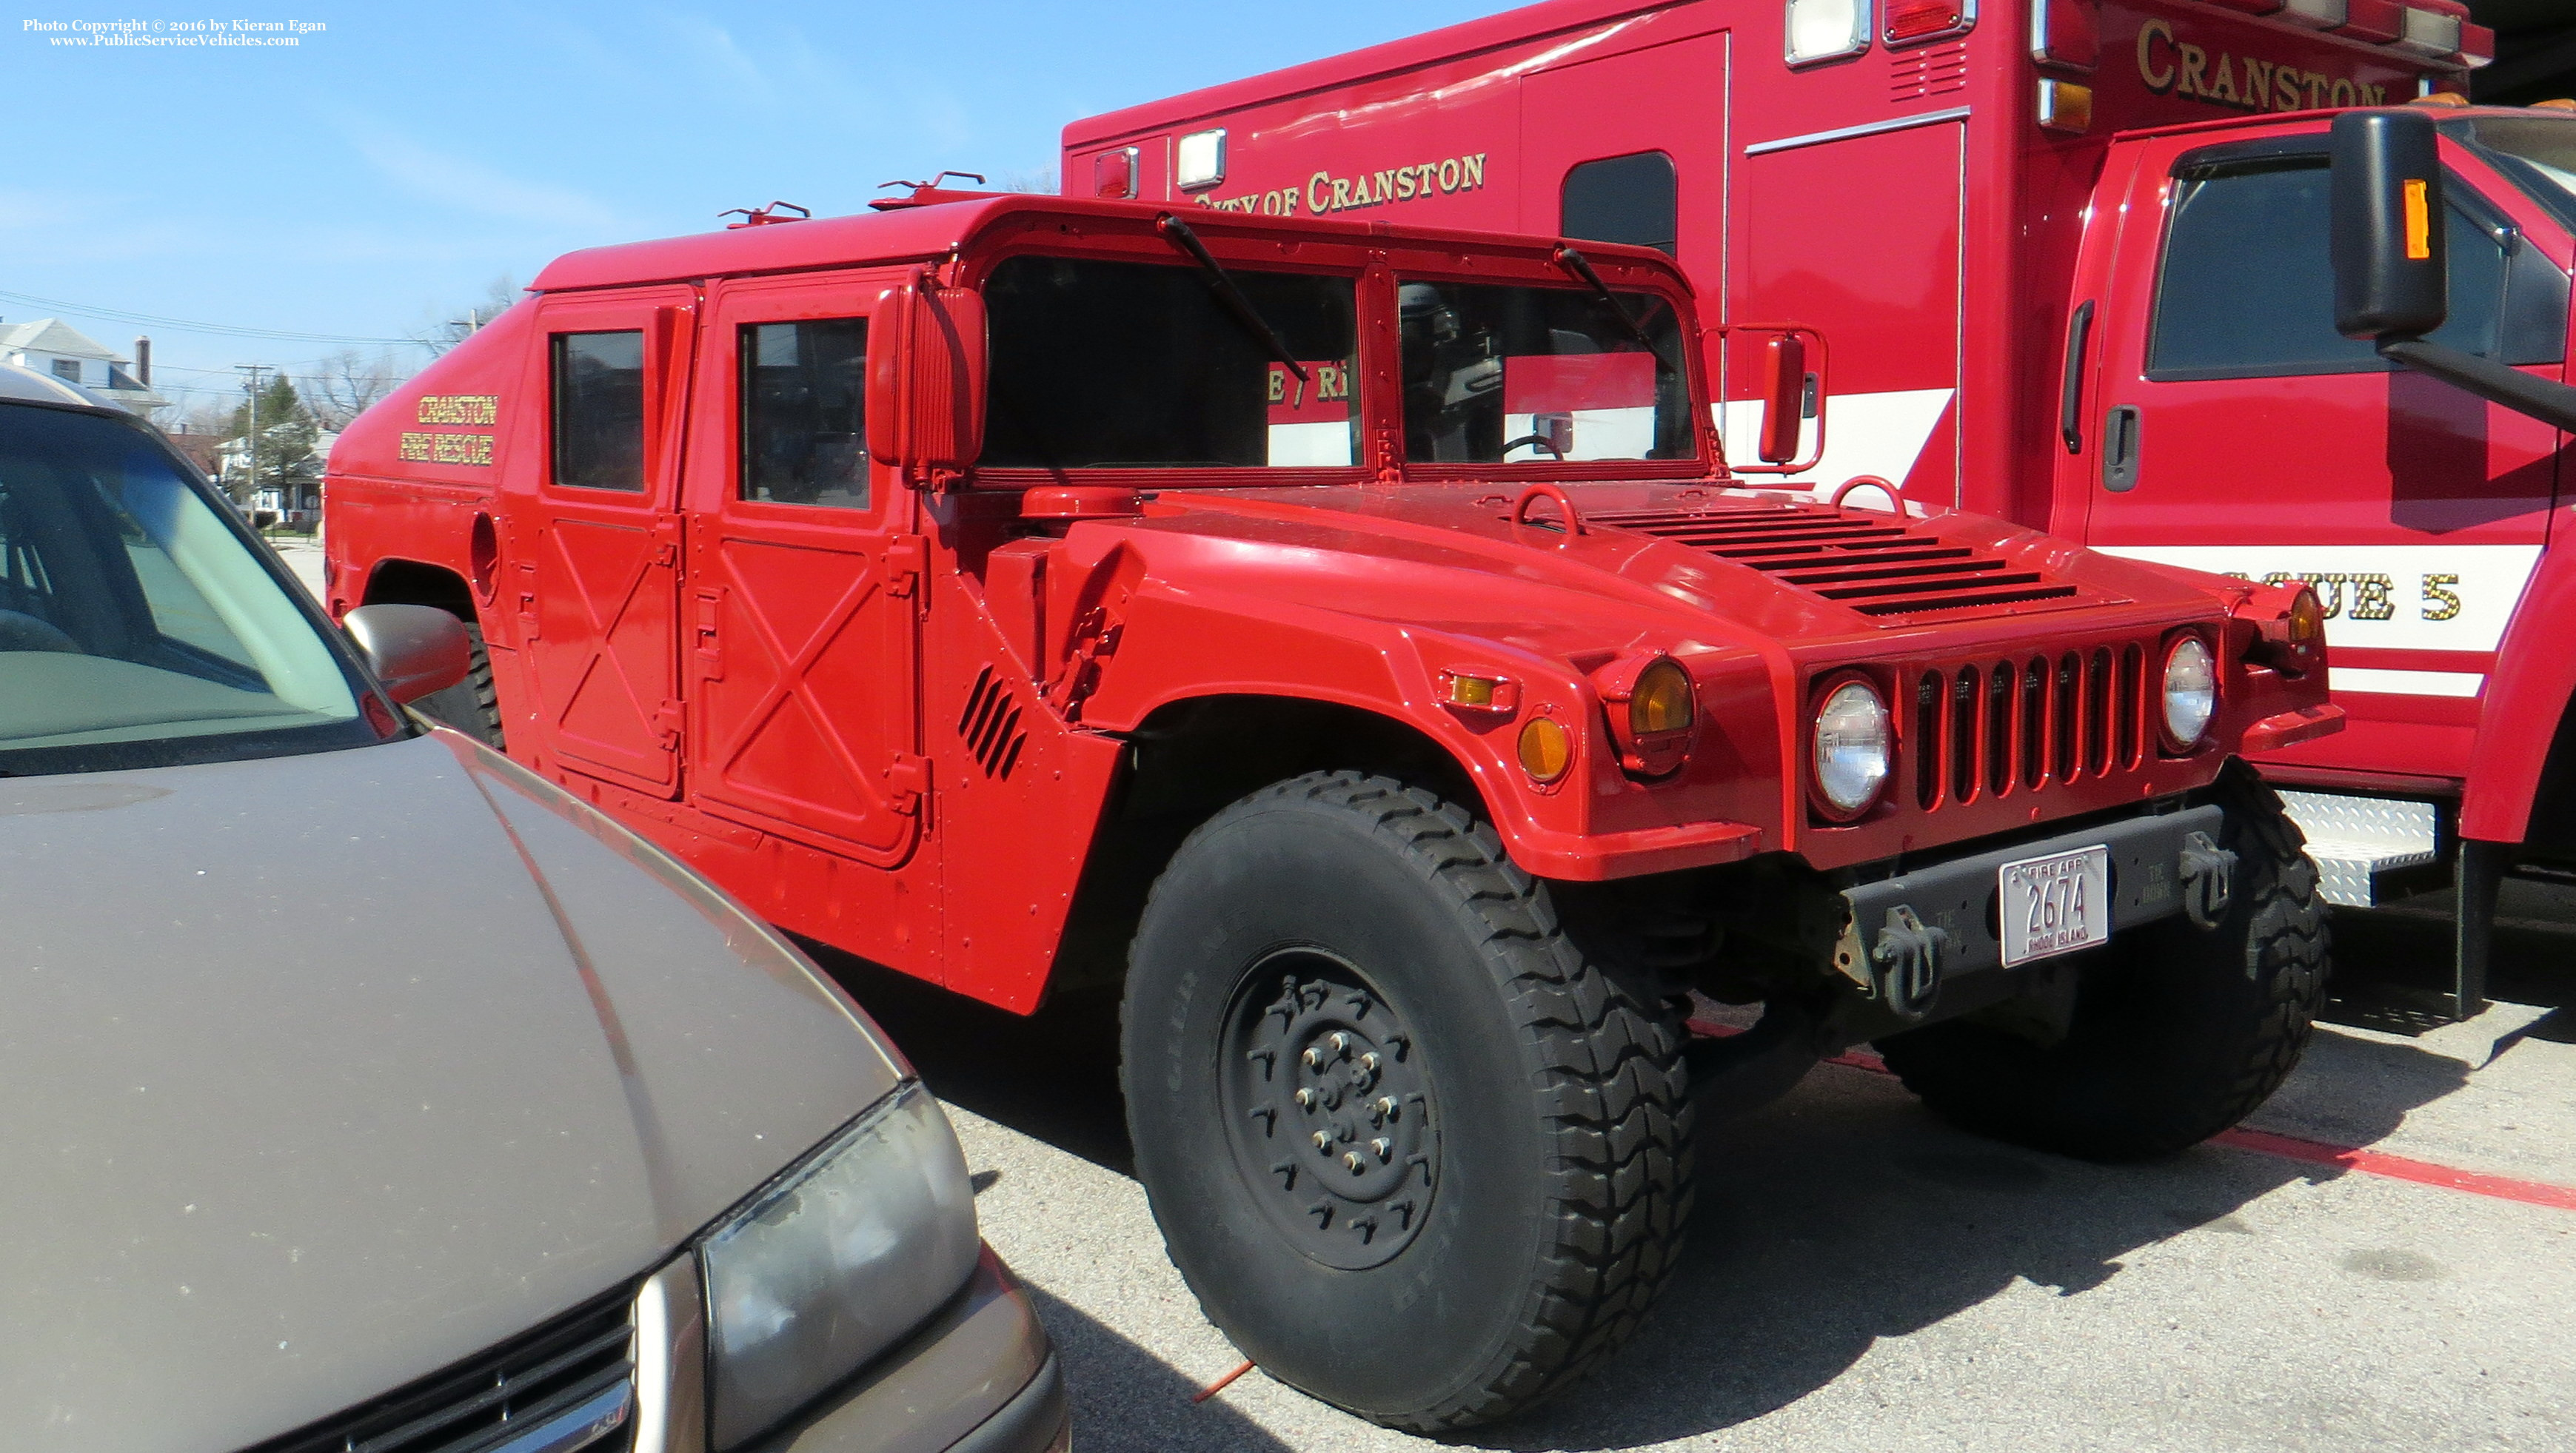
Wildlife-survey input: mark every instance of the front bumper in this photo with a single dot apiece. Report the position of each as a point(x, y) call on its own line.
point(978, 1377)
point(2160, 863)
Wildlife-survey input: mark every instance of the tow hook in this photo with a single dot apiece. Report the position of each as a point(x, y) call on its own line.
point(2208, 879)
point(1908, 960)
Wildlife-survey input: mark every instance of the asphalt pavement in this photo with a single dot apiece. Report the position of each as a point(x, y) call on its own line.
point(1862, 1276)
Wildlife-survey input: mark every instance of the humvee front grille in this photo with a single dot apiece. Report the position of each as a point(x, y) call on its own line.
point(1879, 565)
point(1993, 728)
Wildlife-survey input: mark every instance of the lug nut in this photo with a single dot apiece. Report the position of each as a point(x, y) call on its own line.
point(1305, 1099)
point(1369, 1062)
point(1313, 1057)
point(1354, 1162)
point(1324, 1141)
point(1341, 1045)
point(1386, 1106)
point(1383, 1148)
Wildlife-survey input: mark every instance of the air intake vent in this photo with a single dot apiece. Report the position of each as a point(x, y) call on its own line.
point(990, 724)
point(1879, 565)
point(568, 1385)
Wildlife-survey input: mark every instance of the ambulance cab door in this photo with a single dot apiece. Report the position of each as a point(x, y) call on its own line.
point(598, 628)
point(2232, 429)
point(804, 579)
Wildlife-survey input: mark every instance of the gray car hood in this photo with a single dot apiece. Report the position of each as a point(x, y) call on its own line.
point(324, 1072)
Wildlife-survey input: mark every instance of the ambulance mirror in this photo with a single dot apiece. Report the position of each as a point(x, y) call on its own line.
point(925, 401)
point(2389, 271)
point(1784, 397)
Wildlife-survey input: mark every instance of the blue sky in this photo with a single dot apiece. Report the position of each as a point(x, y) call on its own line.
point(386, 170)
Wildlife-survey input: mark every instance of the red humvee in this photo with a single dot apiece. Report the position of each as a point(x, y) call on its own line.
point(1349, 644)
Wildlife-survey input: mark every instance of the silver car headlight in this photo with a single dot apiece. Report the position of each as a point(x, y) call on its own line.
point(2191, 692)
point(841, 1258)
point(1853, 743)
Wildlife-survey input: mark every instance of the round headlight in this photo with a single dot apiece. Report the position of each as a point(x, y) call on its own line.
point(1661, 700)
point(1853, 745)
point(2191, 692)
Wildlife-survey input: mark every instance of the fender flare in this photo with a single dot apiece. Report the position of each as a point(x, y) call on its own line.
point(2528, 692)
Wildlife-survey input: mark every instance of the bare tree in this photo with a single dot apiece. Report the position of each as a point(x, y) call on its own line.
point(344, 385)
point(452, 326)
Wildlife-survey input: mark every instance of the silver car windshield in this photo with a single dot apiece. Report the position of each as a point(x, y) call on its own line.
point(137, 626)
point(2537, 152)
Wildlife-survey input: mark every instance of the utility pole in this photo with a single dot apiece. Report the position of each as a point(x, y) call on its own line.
point(251, 383)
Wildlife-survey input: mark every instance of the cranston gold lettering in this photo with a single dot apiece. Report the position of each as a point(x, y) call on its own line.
point(2169, 65)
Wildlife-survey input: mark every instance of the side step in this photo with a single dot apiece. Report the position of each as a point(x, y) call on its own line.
point(2362, 845)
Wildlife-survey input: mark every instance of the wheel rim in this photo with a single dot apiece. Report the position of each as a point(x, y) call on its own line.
point(1327, 1109)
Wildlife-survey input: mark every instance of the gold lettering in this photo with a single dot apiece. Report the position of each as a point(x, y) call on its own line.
point(2373, 598)
point(1341, 193)
point(2440, 602)
point(427, 448)
point(1278, 383)
point(2316, 90)
point(458, 409)
point(2224, 87)
point(2148, 34)
point(2342, 93)
point(2258, 83)
point(1449, 170)
point(1386, 185)
point(2193, 60)
point(1403, 183)
point(1319, 202)
point(1473, 171)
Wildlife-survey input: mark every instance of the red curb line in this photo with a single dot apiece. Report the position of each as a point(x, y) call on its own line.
point(2291, 1147)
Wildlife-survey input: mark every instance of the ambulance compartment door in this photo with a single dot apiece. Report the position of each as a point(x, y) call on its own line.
point(597, 620)
point(800, 635)
point(2230, 428)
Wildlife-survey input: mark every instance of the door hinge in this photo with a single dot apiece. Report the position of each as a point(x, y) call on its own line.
point(706, 646)
point(906, 781)
point(905, 556)
point(666, 724)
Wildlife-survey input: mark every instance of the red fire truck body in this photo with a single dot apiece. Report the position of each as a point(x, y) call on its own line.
point(2071, 257)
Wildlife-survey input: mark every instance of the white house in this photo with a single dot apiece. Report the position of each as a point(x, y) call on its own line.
point(49, 345)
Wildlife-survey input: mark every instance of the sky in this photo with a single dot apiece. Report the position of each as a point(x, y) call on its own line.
point(383, 172)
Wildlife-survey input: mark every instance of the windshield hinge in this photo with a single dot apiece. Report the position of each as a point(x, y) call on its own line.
point(906, 781)
point(904, 558)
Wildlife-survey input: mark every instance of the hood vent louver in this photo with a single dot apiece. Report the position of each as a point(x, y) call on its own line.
point(990, 724)
point(1877, 565)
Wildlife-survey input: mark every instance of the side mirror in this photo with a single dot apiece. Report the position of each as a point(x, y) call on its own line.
point(1784, 397)
point(2389, 271)
point(413, 649)
point(925, 398)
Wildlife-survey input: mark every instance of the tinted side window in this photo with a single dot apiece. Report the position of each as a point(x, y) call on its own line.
point(1622, 199)
point(599, 410)
point(2247, 289)
point(804, 426)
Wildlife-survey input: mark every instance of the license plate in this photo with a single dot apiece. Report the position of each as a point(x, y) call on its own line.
point(2056, 905)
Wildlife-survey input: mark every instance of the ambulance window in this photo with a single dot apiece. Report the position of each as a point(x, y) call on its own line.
point(804, 432)
point(1100, 365)
point(599, 410)
point(1622, 199)
point(1538, 375)
point(2248, 286)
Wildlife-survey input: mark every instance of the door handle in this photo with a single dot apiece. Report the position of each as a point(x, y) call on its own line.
point(2120, 448)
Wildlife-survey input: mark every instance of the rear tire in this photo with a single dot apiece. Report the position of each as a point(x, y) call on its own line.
point(471, 706)
point(2177, 1032)
point(1506, 1168)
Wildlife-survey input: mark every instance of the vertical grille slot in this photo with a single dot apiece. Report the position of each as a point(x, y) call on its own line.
point(2034, 721)
point(2129, 712)
point(2067, 729)
point(2097, 712)
point(1930, 765)
point(1999, 728)
point(1963, 735)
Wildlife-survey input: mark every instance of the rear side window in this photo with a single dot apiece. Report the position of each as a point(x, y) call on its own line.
point(804, 422)
point(2247, 287)
point(1629, 199)
point(599, 410)
point(1141, 365)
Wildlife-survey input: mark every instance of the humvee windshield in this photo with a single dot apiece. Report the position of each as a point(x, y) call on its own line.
point(1504, 375)
point(137, 627)
point(1141, 365)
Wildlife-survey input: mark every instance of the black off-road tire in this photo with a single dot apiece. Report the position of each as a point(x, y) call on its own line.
point(471, 706)
point(1553, 1135)
point(2177, 1032)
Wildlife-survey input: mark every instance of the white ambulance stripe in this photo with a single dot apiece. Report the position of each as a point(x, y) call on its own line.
point(1325, 443)
point(2394, 597)
point(2404, 683)
point(1881, 434)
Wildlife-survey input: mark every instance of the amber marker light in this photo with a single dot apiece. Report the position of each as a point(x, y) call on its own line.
point(1661, 701)
point(1547, 749)
point(1464, 690)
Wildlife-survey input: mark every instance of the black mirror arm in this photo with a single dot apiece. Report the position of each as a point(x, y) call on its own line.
point(2551, 403)
point(1179, 231)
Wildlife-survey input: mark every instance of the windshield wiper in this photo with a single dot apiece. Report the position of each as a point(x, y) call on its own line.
point(1581, 266)
point(1232, 296)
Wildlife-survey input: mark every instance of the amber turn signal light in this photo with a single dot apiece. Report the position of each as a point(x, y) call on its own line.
point(1661, 701)
point(1547, 749)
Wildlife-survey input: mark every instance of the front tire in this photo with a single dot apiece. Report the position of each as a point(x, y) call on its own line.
point(473, 705)
point(2177, 1032)
point(1412, 1151)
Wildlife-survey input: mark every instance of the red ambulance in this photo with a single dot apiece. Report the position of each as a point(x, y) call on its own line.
point(2072, 259)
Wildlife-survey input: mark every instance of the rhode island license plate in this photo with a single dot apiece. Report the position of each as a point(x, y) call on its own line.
point(2056, 904)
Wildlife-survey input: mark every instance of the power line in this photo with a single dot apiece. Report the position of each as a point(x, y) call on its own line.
point(118, 315)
